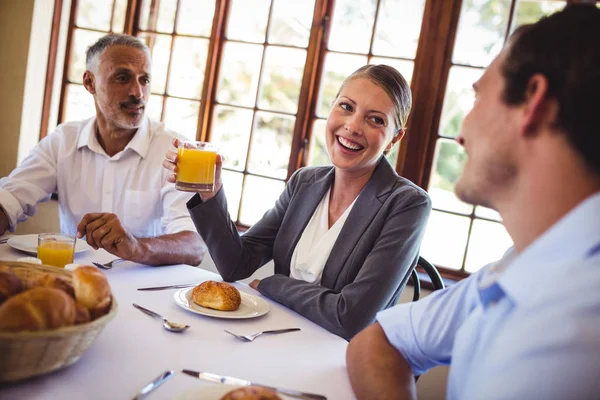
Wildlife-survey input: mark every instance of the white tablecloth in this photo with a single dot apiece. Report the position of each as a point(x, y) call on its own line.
point(134, 348)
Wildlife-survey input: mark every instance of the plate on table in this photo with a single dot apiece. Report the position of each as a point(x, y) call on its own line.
point(213, 392)
point(251, 307)
point(29, 244)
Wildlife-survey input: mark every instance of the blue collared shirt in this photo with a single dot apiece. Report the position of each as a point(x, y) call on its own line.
point(527, 327)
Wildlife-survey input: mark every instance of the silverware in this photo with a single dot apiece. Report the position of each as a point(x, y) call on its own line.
point(249, 338)
point(2, 241)
point(156, 382)
point(184, 285)
point(109, 264)
point(168, 325)
point(228, 380)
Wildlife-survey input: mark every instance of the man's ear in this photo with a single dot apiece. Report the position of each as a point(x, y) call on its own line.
point(399, 135)
point(89, 81)
point(538, 109)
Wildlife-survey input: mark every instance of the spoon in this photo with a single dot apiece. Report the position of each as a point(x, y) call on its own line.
point(168, 325)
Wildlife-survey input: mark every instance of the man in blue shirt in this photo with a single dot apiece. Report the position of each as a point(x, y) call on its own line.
point(528, 326)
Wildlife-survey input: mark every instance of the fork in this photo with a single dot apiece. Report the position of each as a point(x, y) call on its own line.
point(109, 264)
point(249, 338)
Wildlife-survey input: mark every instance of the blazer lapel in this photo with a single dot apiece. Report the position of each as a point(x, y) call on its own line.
point(367, 205)
point(311, 194)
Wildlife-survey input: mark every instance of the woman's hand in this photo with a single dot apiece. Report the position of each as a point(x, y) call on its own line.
point(170, 163)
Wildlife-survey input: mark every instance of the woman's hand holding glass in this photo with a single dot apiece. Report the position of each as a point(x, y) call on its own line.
point(171, 164)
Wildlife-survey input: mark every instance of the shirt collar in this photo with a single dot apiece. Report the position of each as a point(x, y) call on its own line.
point(139, 143)
point(567, 241)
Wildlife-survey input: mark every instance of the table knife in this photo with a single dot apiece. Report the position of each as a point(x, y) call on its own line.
point(168, 287)
point(228, 380)
point(159, 380)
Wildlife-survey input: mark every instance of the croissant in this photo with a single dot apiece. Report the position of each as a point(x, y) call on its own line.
point(92, 290)
point(37, 309)
point(251, 393)
point(52, 281)
point(217, 295)
point(10, 284)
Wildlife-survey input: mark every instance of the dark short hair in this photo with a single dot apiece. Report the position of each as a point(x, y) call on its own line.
point(112, 39)
point(393, 83)
point(565, 48)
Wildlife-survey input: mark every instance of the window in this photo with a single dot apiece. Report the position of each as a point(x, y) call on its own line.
point(257, 78)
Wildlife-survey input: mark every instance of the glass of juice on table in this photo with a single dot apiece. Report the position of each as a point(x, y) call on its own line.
point(56, 249)
point(196, 166)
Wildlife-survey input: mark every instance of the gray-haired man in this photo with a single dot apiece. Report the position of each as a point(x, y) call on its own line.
point(106, 169)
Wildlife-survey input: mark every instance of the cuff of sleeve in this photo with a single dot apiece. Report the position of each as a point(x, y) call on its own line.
point(11, 208)
point(194, 202)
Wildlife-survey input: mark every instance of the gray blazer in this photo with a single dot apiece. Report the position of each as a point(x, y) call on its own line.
point(369, 263)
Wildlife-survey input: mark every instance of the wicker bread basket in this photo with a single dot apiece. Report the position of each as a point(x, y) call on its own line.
point(27, 354)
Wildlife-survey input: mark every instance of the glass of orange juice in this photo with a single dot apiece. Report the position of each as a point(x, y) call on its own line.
point(196, 166)
point(56, 249)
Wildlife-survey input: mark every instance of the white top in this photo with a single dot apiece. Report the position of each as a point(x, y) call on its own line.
point(131, 184)
point(134, 348)
point(315, 244)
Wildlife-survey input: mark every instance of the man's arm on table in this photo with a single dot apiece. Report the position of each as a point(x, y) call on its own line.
point(376, 369)
point(407, 340)
point(104, 230)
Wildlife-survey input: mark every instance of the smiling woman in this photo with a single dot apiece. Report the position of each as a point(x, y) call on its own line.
point(344, 238)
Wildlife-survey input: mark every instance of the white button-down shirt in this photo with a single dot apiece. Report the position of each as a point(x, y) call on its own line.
point(131, 184)
point(527, 329)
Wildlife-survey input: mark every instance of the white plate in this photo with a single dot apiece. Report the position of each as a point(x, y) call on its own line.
point(212, 392)
point(29, 244)
point(251, 307)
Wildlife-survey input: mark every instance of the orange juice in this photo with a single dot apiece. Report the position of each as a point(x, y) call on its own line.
point(56, 253)
point(196, 169)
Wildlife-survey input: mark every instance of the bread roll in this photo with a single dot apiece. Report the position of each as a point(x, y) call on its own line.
point(37, 309)
point(50, 280)
point(217, 295)
point(251, 393)
point(10, 283)
point(82, 314)
point(92, 290)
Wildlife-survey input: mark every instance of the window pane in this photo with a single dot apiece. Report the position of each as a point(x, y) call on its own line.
point(291, 22)
point(187, 67)
point(94, 14)
point(248, 20)
point(79, 103)
point(481, 30)
point(119, 16)
point(232, 185)
point(398, 28)
point(238, 80)
point(182, 116)
point(82, 39)
point(403, 66)
point(458, 100)
point(259, 196)
point(231, 132)
point(352, 25)
point(281, 79)
point(195, 17)
point(485, 212)
point(529, 11)
point(337, 68)
point(445, 239)
point(271, 144)
point(489, 241)
point(154, 107)
point(318, 149)
point(161, 19)
point(160, 48)
point(448, 163)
